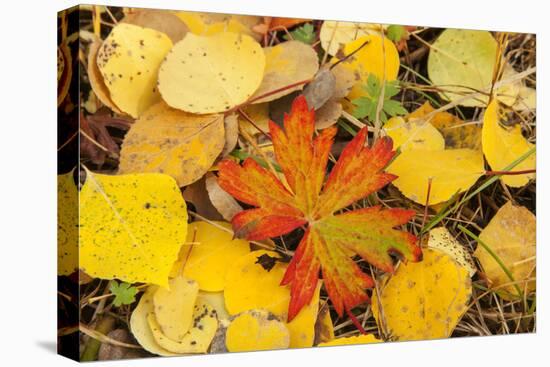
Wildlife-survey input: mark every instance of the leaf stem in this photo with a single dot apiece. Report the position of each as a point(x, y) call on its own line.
point(356, 322)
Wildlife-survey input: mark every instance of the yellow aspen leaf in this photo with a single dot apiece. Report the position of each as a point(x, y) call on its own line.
point(460, 60)
point(67, 224)
point(249, 284)
point(285, 64)
point(351, 340)
point(457, 133)
point(302, 327)
point(131, 226)
point(174, 307)
point(511, 235)
point(205, 24)
point(440, 239)
point(213, 252)
point(451, 171)
point(219, 72)
point(216, 300)
point(96, 79)
point(199, 336)
point(334, 35)
point(139, 326)
point(413, 135)
point(503, 145)
point(253, 282)
point(378, 56)
point(463, 61)
point(173, 142)
point(423, 300)
point(256, 330)
point(163, 21)
point(129, 60)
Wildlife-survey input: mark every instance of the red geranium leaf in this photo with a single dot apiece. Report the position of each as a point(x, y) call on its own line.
point(306, 199)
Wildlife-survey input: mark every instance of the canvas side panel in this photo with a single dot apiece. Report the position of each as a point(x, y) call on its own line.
point(67, 170)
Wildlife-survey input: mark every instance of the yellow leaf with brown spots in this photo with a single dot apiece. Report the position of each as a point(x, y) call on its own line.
point(456, 132)
point(256, 330)
point(423, 300)
point(129, 60)
point(131, 226)
point(174, 142)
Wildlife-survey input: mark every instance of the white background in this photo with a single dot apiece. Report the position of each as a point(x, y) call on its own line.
point(28, 182)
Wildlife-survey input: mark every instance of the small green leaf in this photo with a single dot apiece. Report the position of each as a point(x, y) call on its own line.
point(125, 294)
point(396, 32)
point(366, 106)
point(305, 34)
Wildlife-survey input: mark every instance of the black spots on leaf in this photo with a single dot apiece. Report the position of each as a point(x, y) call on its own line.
point(267, 262)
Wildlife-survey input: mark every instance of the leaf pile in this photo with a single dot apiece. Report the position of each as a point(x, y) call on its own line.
point(253, 183)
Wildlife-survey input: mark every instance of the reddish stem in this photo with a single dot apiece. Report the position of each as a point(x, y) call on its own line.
point(510, 173)
point(267, 94)
point(355, 322)
point(247, 118)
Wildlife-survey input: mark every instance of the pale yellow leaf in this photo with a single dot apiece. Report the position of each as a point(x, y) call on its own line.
point(287, 63)
point(139, 326)
point(440, 239)
point(174, 307)
point(219, 72)
point(511, 235)
point(129, 61)
point(334, 35)
point(199, 336)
